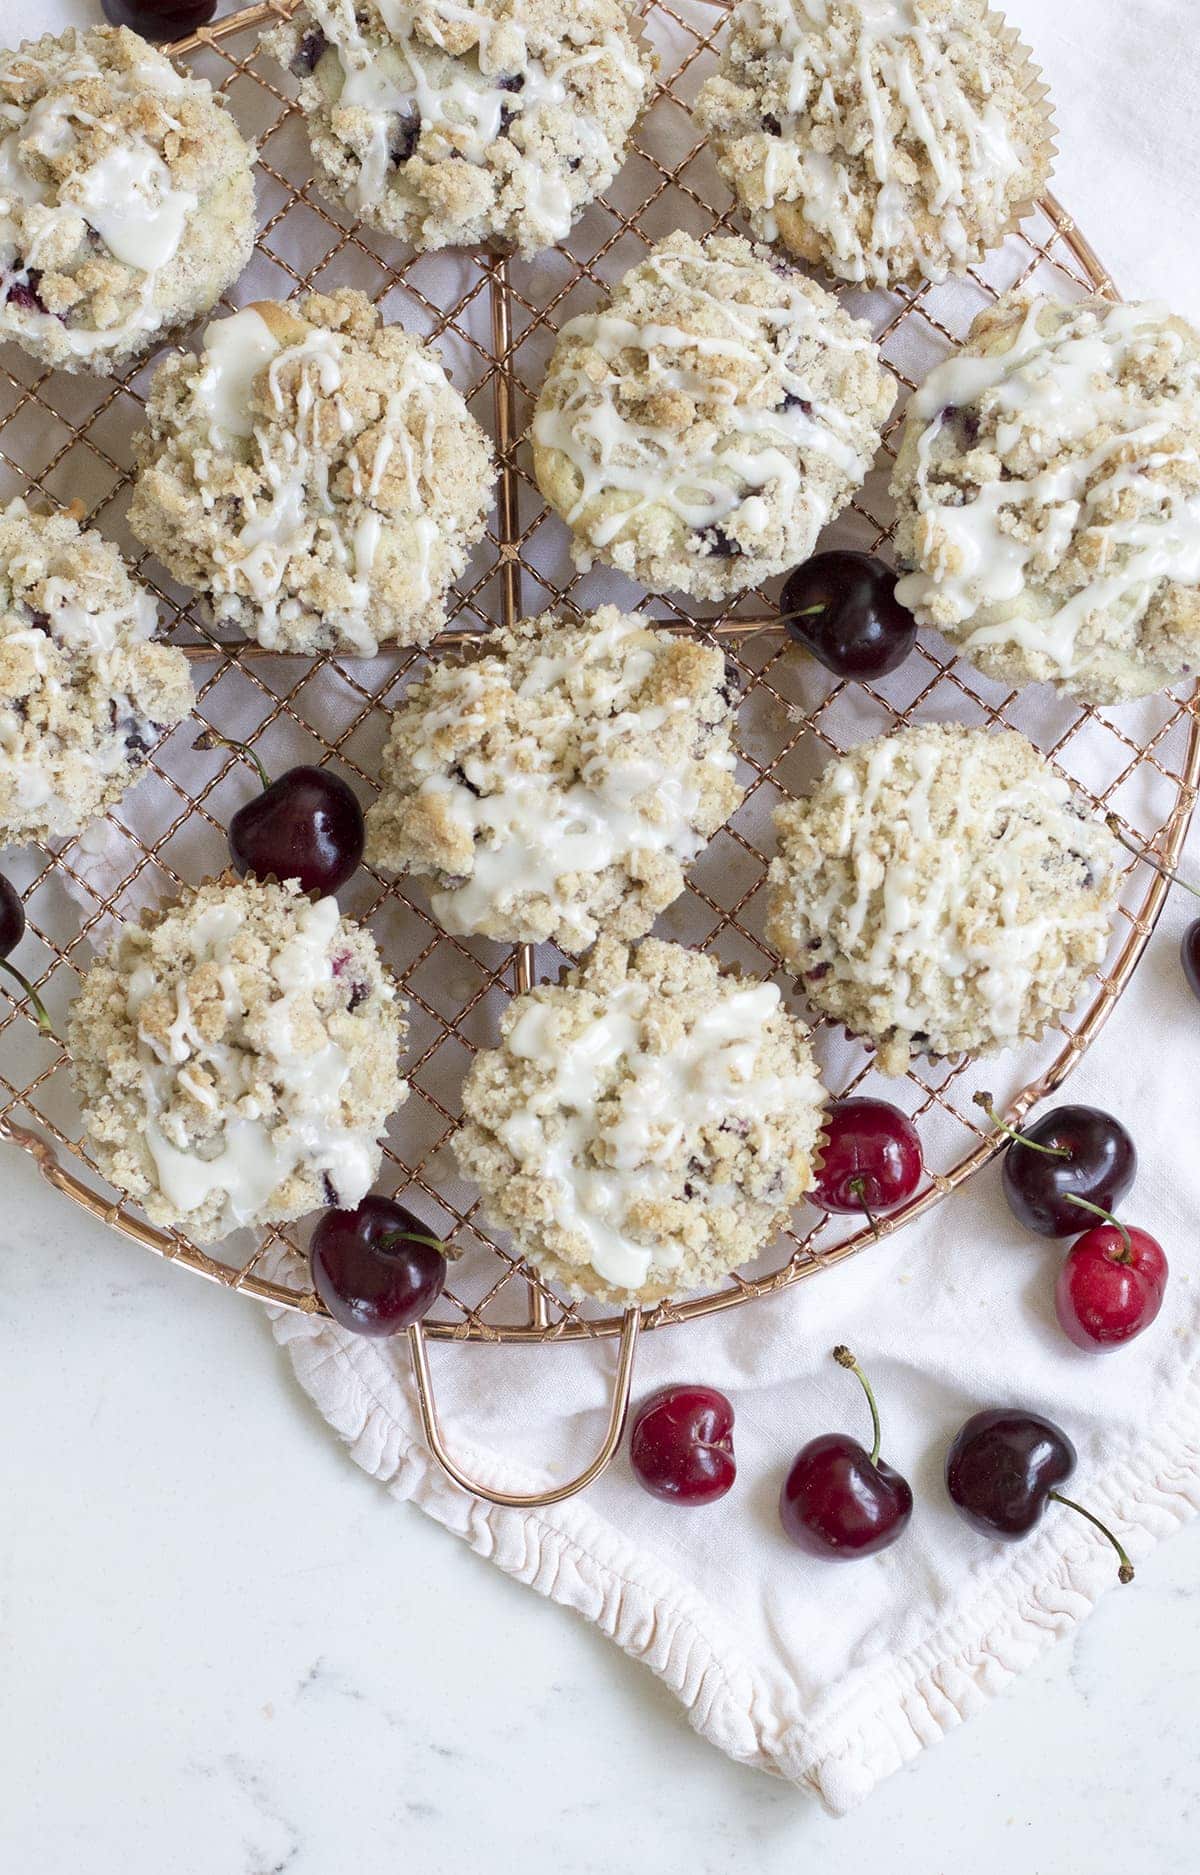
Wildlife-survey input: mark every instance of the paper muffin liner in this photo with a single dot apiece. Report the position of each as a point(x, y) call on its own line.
point(1034, 85)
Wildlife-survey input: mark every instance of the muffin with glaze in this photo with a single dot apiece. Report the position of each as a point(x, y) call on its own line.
point(942, 892)
point(491, 121)
point(126, 198)
point(314, 475)
point(84, 693)
point(559, 784)
point(699, 430)
point(236, 1059)
point(645, 1125)
point(1048, 496)
point(891, 141)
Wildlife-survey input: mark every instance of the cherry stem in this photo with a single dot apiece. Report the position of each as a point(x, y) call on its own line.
point(1020, 1139)
point(411, 1236)
point(859, 1187)
point(844, 1358)
point(806, 611)
point(1125, 1572)
point(1155, 864)
point(1097, 1210)
point(209, 739)
point(40, 1011)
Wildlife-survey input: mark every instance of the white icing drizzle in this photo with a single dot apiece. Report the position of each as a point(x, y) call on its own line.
point(598, 1168)
point(460, 111)
point(1057, 391)
point(928, 931)
point(531, 835)
point(895, 55)
point(126, 195)
point(740, 459)
point(256, 1151)
point(300, 510)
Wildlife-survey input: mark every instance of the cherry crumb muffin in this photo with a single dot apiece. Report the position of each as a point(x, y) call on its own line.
point(941, 892)
point(473, 121)
point(84, 694)
point(559, 784)
point(645, 1125)
point(314, 475)
point(126, 198)
point(891, 141)
point(1048, 492)
point(699, 431)
point(236, 1059)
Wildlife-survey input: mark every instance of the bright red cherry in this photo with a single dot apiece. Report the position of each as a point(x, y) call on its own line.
point(1190, 955)
point(306, 825)
point(1003, 1469)
point(681, 1445)
point(376, 1268)
point(842, 607)
point(838, 1501)
point(159, 19)
point(871, 1160)
point(1111, 1286)
point(1068, 1160)
point(12, 930)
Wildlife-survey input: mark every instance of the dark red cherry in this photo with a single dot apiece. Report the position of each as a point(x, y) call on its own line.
point(681, 1445)
point(159, 19)
point(1189, 952)
point(871, 1160)
point(1003, 1469)
point(377, 1268)
point(12, 930)
point(1111, 1286)
point(1069, 1153)
point(305, 825)
point(839, 1501)
point(842, 607)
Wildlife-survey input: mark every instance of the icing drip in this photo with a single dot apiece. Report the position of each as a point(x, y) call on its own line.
point(598, 429)
point(929, 929)
point(256, 1152)
point(530, 834)
point(408, 93)
point(241, 360)
point(125, 196)
point(1054, 394)
point(895, 57)
point(604, 1157)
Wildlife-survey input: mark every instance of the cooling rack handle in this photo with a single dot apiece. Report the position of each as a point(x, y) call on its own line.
point(554, 1494)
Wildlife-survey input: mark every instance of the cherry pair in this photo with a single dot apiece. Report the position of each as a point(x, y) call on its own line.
point(839, 1501)
point(1072, 1163)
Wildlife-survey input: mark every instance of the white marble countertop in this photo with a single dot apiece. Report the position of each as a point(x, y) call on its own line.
point(224, 1652)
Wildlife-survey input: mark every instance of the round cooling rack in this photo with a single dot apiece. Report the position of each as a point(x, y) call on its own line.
point(494, 321)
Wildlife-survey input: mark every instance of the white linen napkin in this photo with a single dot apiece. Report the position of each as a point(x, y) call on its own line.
point(829, 1674)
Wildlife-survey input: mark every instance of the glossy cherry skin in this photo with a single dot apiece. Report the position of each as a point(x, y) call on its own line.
point(1100, 1166)
point(12, 917)
point(1189, 952)
point(1003, 1466)
point(1106, 1294)
point(159, 19)
point(367, 1284)
point(681, 1445)
point(872, 1159)
point(835, 1503)
point(306, 825)
point(855, 626)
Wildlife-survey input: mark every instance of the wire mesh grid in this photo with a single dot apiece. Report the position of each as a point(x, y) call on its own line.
point(495, 321)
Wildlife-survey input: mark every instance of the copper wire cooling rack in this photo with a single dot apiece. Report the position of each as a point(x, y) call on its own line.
point(494, 321)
